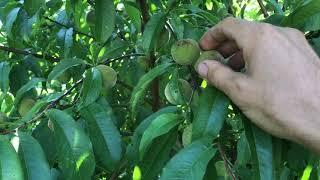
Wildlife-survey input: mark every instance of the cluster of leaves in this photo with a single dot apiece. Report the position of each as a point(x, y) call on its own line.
point(78, 129)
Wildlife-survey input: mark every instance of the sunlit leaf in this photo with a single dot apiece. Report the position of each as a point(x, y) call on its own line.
point(33, 159)
point(74, 147)
point(10, 165)
point(161, 125)
point(190, 163)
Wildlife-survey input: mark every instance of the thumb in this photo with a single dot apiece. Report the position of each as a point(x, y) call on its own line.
point(230, 82)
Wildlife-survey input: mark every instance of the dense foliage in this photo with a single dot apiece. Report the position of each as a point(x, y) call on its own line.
point(90, 90)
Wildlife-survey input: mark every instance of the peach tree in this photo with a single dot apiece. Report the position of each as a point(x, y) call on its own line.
point(107, 89)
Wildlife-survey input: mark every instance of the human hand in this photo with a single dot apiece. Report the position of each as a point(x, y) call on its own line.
point(279, 90)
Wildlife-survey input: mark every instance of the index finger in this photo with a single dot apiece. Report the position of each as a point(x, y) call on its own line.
point(237, 30)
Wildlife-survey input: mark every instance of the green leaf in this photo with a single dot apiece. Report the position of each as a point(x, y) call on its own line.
point(132, 152)
point(177, 26)
point(152, 31)
point(10, 165)
point(4, 76)
point(11, 18)
point(92, 85)
point(32, 6)
point(25, 88)
point(243, 150)
point(68, 41)
point(105, 19)
point(276, 6)
point(161, 125)
point(33, 159)
point(144, 82)
point(74, 148)
point(62, 66)
point(302, 13)
point(104, 135)
point(210, 114)
point(261, 150)
point(43, 135)
point(134, 14)
point(187, 135)
point(33, 111)
point(157, 155)
point(313, 23)
point(190, 163)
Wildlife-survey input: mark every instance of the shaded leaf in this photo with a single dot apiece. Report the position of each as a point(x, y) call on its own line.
point(190, 163)
point(144, 82)
point(75, 152)
point(158, 155)
point(152, 31)
point(132, 152)
point(105, 23)
point(210, 114)
point(25, 88)
point(104, 135)
point(92, 85)
point(134, 14)
point(302, 13)
point(261, 150)
point(62, 66)
point(4, 76)
point(33, 159)
point(43, 135)
point(32, 6)
point(10, 165)
point(11, 18)
point(161, 125)
point(68, 41)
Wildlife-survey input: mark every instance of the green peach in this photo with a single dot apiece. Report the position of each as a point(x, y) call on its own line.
point(172, 95)
point(25, 105)
point(109, 76)
point(185, 51)
point(208, 55)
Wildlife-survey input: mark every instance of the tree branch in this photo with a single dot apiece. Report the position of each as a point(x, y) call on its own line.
point(49, 106)
point(155, 83)
point(263, 8)
point(122, 57)
point(226, 164)
point(76, 31)
point(23, 52)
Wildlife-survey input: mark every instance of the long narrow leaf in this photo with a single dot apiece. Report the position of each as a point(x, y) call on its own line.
point(104, 135)
point(33, 159)
point(10, 165)
point(74, 147)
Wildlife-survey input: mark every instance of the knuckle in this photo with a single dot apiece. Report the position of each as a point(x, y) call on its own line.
point(268, 28)
point(295, 32)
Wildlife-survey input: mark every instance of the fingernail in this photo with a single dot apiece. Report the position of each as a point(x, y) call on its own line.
point(203, 69)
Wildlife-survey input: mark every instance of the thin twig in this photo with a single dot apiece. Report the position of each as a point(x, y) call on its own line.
point(76, 31)
point(24, 52)
point(117, 172)
point(263, 8)
point(49, 106)
point(171, 30)
point(225, 160)
point(122, 57)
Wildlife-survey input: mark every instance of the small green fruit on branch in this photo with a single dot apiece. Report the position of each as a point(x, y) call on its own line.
point(109, 76)
point(209, 55)
point(185, 51)
point(172, 95)
point(25, 105)
point(64, 78)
